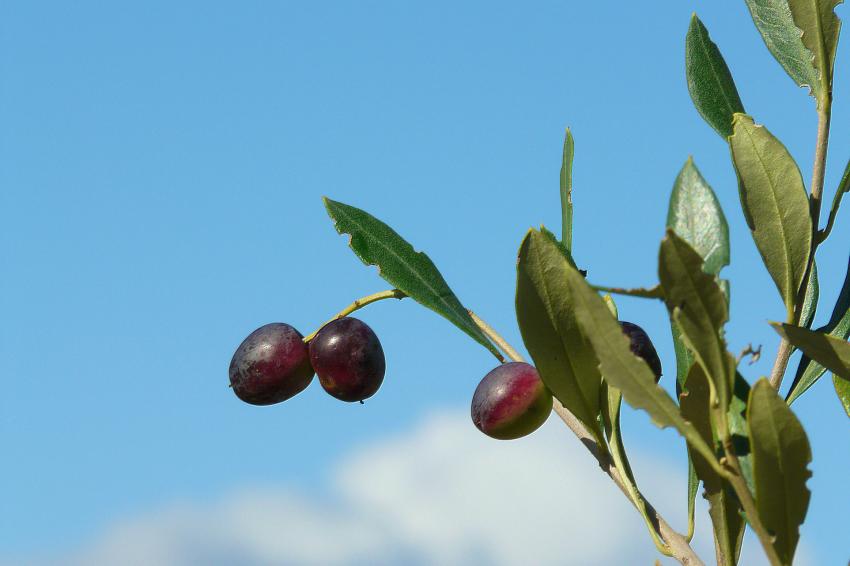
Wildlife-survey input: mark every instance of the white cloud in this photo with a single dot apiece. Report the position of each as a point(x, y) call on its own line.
point(441, 494)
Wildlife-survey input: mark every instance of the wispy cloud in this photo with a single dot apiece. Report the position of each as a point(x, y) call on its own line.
point(440, 494)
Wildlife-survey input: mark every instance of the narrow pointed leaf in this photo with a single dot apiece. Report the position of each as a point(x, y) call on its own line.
point(832, 353)
point(809, 371)
point(781, 455)
point(775, 205)
point(820, 26)
point(695, 215)
point(810, 302)
point(402, 266)
point(693, 488)
point(567, 190)
point(624, 370)
point(783, 38)
point(709, 80)
point(544, 308)
point(843, 188)
point(698, 307)
point(842, 389)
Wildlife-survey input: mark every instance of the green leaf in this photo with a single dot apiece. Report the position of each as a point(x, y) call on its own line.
point(725, 509)
point(810, 301)
point(843, 188)
point(695, 215)
point(559, 244)
point(621, 368)
point(611, 402)
point(782, 37)
point(693, 487)
point(709, 80)
point(842, 389)
point(698, 307)
point(820, 27)
point(403, 267)
point(567, 190)
point(551, 334)
point(781, 454)
point(736, 416)
point(775, 205)
point(832, 353)
point(808, 372)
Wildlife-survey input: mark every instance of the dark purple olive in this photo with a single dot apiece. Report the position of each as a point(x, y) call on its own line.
point(511, 401)
point(348, 359)
point(642, 346)
point(271, 365)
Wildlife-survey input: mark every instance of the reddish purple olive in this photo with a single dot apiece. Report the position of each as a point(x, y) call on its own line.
point(348, 359)
point(511, 401)
point(642, 346)
point(271, 365)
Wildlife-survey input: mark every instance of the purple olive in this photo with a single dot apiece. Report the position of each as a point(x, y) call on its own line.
point(271, 365)
point(348, 359)
point(642, 346)
point(511, 401)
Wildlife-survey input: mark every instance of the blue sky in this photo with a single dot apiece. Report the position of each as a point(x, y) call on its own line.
point(163, 165)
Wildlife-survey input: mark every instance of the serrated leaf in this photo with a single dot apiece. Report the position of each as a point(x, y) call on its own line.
point(697, 306)
point(781, 455)
point(621, 368)
point(551, 334)
point(808, 371)
point(775, 205)
point(832, 353)
point(709, 80)
point(724, 510)
point(782, 37)
point(567, 190)
point(694, 213)
point(842, 389)
point(611, 402)
point(402, 266)
point(820, 27)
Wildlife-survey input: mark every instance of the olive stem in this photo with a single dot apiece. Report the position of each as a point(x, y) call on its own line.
point(359, 304)
point(679, 547)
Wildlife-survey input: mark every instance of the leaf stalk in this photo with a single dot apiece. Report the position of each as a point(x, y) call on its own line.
point(357, 305)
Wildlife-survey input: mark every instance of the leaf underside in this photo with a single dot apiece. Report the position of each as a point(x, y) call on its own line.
point(550, 332)
point(783, 39)
point(831, 352)
point(781, 455)
point(775, 205)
